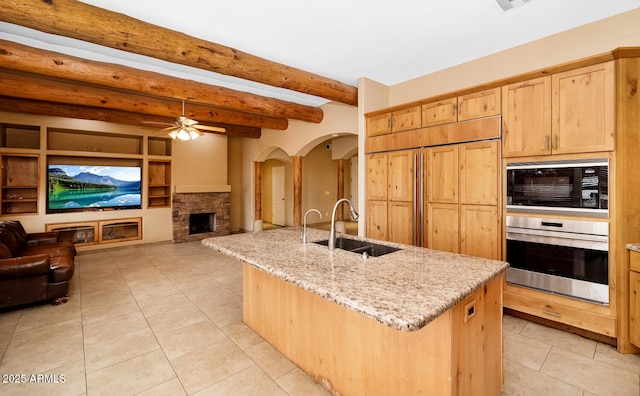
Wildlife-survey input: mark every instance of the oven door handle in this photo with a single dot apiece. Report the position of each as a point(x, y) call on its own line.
point(584, 241)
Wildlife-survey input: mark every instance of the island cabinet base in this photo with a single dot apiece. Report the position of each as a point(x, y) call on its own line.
point(458, 353)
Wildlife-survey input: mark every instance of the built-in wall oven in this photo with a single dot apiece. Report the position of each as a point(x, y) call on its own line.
point(571, 187)
point(569, 255)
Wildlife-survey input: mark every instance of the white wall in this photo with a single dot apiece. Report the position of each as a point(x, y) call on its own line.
point(622, 30)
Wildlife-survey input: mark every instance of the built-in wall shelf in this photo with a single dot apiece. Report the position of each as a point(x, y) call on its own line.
point(19, 136)
point(19, 184)
point(99, 232)
point(159, 146)
point(159, 184)
point(93, 142)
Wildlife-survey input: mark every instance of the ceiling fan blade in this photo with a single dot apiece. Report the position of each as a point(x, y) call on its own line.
point(210, 128)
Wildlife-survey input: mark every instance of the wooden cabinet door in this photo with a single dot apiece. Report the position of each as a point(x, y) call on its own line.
point(438, 113)
point(479, 104)
point(634, 308)
point(377, 176)
point(406, 119)
point(479, 169)
point(400, 221)
point(526, 118)
point(442, 227)
point(480, 231)
point(401, 175)
point(377, 220)
point(379, 125)
point(442, 174)
point(583, 107)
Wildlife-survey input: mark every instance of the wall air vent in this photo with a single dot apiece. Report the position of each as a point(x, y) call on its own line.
point(506, 5)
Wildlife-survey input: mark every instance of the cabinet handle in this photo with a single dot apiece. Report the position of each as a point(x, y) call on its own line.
point(453, 109)
point(459, 108)
point(390, 122)
point(546, 142)
point(555, 142)
point(551, 313)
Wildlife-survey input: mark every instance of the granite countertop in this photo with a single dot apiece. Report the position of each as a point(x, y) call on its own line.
point(634, 246)
point(404, 290)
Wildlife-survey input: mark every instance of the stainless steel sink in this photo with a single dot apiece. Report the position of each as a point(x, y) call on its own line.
point(356, 246)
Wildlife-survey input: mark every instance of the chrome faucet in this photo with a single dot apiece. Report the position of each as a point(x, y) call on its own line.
point(304, 229)
point(332, 233)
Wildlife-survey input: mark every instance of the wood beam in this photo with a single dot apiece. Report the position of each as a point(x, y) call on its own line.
point(27, 106)
point(78, 20)
point(30, 87)
point(27, 59)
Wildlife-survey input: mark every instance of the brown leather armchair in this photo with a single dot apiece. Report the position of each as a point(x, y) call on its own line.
point(33, 267)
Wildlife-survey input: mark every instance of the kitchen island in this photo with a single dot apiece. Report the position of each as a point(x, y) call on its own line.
point(416, 321)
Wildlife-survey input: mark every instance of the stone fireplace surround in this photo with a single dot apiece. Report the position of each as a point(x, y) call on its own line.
point(185, 204)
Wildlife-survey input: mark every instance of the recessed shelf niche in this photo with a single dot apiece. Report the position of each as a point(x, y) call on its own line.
point(93, 142)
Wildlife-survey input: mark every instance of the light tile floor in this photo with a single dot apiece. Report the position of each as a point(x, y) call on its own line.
point(166, 319)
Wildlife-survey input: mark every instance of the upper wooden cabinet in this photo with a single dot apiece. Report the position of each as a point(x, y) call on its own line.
point(583, 109)
point(396, 121)
point(441, 112)
point(526, 118)
point(566, 113)
point(461, 108)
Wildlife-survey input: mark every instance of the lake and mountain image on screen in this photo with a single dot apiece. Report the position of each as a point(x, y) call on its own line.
point(78, 187)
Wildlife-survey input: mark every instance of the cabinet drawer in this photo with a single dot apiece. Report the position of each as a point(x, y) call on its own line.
point(557, 312)
point(479, 104)
point(442, 112)
point(407, 119)
point(379, 125)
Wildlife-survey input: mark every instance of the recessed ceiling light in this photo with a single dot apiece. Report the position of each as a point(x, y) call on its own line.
point(507, 5)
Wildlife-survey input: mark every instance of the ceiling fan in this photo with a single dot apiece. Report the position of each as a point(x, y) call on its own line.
point(184, 128)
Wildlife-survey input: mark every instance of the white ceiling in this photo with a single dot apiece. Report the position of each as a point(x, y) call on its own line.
point(387, 41)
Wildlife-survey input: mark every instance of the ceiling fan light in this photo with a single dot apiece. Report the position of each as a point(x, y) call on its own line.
point(173, 134)
point(183, 134)
point(194, 135)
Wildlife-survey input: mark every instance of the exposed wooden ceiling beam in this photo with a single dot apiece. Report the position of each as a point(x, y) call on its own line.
point(30, 87)
point(33, 60)
point(85, 22)
point(17, 105)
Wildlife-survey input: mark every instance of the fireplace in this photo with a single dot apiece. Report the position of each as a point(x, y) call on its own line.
point(202, 222)
point(198, 216)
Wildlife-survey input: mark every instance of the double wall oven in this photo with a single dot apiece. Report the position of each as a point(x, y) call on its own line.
point(561, 246)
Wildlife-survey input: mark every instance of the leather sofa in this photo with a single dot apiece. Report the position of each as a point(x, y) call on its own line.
point(34, 267)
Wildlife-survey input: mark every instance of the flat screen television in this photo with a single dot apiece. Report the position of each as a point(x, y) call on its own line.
point(76, 188)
